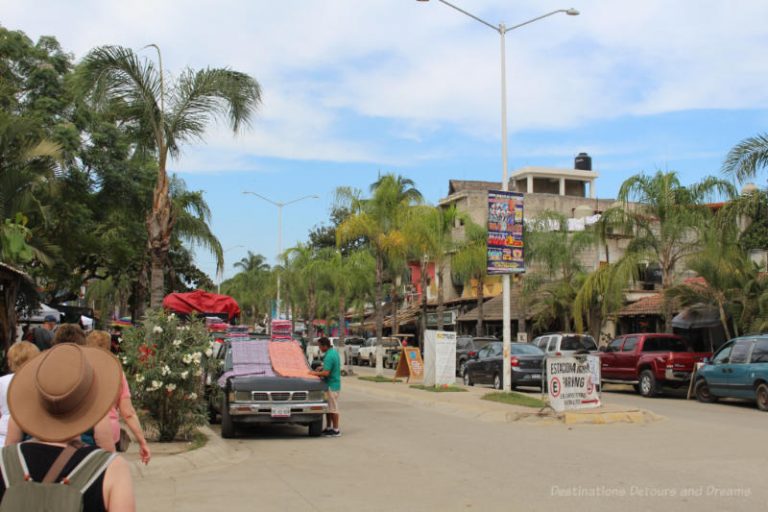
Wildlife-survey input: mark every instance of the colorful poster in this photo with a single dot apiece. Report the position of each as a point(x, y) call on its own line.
point(505, 232)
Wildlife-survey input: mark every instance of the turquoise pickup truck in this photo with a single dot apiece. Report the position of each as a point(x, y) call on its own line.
point(738, 370)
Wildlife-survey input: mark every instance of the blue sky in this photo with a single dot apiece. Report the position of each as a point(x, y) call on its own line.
point(353, 88)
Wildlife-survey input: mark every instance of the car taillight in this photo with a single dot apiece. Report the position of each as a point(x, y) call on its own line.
point(472, 354)
point(558, 353)
point(514, 361)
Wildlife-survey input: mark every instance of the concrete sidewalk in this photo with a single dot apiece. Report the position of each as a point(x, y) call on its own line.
point(177, 458)
point(469, 404)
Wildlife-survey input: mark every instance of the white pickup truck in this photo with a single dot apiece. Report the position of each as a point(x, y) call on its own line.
point(367, 353)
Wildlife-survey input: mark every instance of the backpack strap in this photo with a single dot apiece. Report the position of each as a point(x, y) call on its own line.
point(58, 465)
point(13, 466)
point(89, 469)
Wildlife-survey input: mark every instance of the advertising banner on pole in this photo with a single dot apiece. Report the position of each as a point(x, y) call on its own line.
point(505, 232)
point(439, 358)
point(571, 382)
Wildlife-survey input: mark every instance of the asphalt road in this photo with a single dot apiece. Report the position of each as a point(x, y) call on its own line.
point(399, 457)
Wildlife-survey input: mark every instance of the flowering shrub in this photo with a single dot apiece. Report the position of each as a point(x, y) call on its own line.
point(166, 361)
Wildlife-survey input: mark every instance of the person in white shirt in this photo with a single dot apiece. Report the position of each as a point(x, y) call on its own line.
point(18, 355)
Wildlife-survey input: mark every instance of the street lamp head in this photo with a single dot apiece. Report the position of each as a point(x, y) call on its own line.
point(572, 12)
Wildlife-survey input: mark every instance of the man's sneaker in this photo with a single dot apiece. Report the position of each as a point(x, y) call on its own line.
point(327, 432)
point(335, 433)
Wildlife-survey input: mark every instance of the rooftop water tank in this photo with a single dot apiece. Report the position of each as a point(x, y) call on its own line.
point(583, 162)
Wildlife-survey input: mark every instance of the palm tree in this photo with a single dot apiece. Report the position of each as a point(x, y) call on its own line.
point(252, 263)
point(305, 267)
point(379, 220)
point(168, 117)
point(557, 252)
point(429, 230)
point(666, 220)
point(470, 263)
point(746, 158)
point(193, 217)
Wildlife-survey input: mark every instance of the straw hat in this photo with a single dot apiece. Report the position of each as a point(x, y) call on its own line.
point(64, 391)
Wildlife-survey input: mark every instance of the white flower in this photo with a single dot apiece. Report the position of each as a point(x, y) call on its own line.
point(170, 387)
point(193, 396)
point(139, 378)
point(166, 370)
point(187, 358)
point(157, 329)
point(177, 343)
point(209, 352)
point(156, 384)
point(197, 357)
point(184, 374)
point(125, 360)
point(172, 316)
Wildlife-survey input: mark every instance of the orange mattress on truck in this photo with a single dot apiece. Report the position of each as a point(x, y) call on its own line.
point(288, 360)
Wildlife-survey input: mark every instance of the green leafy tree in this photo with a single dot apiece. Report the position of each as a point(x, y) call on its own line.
point(379, 220)
point(470, 263)
point(666, 219)
point(165, 118)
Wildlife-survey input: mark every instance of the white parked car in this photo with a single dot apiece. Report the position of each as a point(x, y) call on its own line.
point(367, 353)
point(565, 344)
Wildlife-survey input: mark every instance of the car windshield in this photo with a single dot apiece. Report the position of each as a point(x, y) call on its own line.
point(524, 349)
point(390, 342)
point(664, 344)
point(480, 343)
point(463, 343)
point(578, 343)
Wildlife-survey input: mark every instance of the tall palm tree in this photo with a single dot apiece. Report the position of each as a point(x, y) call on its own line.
point(747, 157)
point(666, 220)
point(379, 220)
point(252, 262)
point(168, 117)
point(470, 263)
point(554, 254)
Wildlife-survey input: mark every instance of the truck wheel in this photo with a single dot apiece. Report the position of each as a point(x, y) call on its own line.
point(762, 397)
point(497, 384)
point(701, 390)
point(648, 386)
point(316, 428)
point(227, 425)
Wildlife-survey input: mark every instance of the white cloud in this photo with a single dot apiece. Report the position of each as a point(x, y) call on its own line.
point(423, 66)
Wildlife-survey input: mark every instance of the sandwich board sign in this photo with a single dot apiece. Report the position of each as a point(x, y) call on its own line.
point(571, 383)
point(439, 358)
point(410, 364)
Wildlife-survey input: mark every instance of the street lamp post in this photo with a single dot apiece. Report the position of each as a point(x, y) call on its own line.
point(505, 281)
point(280, 205)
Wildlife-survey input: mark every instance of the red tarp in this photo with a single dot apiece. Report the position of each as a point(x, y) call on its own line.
point(201, 302)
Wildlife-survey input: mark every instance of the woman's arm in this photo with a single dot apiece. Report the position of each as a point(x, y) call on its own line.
point(118, 487)
point(128, 413)
point(14, 434)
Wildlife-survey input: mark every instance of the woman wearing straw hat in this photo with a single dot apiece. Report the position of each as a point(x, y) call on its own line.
point(55, 397)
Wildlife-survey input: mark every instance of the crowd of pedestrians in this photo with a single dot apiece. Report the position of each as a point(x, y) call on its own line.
point(60, 411)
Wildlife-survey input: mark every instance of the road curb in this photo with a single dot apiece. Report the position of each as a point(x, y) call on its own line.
point(637, 416)
point(215, 453)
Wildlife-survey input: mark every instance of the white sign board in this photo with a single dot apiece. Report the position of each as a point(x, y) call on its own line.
point(439, 358)
point(571, 382)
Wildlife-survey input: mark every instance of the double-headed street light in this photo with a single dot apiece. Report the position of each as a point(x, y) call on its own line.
point(502, 30)
point(280, 205)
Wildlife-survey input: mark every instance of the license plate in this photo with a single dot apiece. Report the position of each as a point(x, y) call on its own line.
point(281, 412)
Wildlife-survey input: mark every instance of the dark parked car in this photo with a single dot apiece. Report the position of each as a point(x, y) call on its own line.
point(527, 364)
point(467, 348)
point(738, 370)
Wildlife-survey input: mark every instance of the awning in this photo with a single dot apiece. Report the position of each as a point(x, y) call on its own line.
point(699, 316)
point(203, 303)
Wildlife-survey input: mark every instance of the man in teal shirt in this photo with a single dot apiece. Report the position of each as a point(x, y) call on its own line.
point(331, 374)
